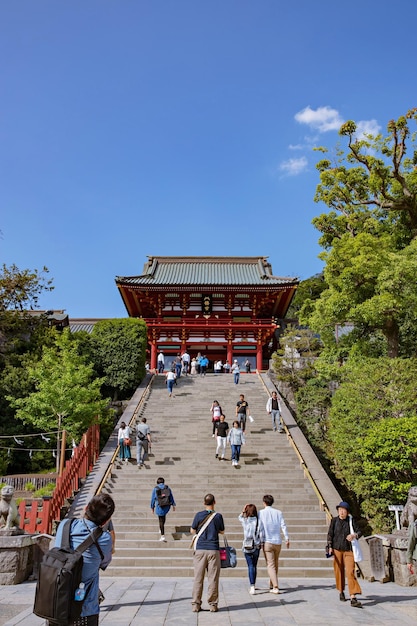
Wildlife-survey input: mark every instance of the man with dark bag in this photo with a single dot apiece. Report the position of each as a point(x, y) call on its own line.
point(67, 595)
point(143, 442)
point(206, 527)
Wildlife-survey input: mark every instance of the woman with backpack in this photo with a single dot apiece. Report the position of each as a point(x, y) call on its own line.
point(251, 541)
point(161, 502)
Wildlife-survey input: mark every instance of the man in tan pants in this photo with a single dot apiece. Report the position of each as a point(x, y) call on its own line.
point(272, 527)
point(206, 526)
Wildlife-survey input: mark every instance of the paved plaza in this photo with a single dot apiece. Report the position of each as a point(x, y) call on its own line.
point(167, 601)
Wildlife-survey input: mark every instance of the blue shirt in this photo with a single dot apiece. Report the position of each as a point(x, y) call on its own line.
point(92, 562)
point(161, 510)
point(209, 539)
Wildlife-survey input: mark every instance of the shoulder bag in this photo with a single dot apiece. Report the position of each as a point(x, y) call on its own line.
point(356, 549)
point(228, 556)
point(202, 529)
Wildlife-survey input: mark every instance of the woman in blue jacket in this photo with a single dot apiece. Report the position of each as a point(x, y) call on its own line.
point(161, 502)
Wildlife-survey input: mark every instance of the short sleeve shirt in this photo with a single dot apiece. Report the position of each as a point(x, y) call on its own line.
point(144, 429)
point(209, 539)
point(241, 406)
point(222, 428)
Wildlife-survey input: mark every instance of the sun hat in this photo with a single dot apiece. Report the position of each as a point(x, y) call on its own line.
point(343, 505)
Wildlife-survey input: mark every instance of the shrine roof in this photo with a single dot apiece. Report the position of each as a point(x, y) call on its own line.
point(169, 271)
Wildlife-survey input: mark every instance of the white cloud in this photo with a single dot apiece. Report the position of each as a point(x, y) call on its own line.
point(297, 146)
point(323, 119)
point(367, 127)
point(293, 167)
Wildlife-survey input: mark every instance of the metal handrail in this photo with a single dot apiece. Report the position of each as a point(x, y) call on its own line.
point(307, 473)
point(107, 473)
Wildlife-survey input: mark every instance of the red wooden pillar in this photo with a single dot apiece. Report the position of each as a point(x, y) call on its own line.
point(229, 353)
point(259, 356)
point(153, 356)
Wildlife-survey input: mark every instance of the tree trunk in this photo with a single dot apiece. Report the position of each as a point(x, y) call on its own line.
point(391, 333)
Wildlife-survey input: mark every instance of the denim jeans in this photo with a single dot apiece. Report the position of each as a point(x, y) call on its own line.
point(252, 561)
point(235, 452)
point(276, 419)
point(141, 450)
point(236, 375)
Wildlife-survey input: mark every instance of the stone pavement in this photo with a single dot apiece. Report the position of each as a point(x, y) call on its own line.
point(166, 601)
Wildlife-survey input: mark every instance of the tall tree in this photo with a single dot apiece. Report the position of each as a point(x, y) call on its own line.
point(368, 234)
point(119, 354)
point(66, 395)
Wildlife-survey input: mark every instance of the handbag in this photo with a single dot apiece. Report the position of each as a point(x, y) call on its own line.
point(228, 556)
point(356, 549)
point(127, 441)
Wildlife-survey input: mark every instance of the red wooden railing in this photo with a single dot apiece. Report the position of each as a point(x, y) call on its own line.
point(38, 517)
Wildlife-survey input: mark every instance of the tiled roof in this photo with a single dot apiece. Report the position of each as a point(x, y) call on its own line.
point(76, 327)
point(206, 271)
point(87, 324)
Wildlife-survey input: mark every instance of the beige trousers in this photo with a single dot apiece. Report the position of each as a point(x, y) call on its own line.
point(206, 560)
point(272, 552)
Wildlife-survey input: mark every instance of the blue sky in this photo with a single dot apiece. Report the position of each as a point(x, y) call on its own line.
point(181, 127)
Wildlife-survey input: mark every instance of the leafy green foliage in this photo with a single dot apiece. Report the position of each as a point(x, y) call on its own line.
point(20, 289)
point(293, 362)
point(313, 403)
point(66, 395)
point(373, 394)
point(119, 349)
point(369, 236)
point(307, 292)
point(389, 456)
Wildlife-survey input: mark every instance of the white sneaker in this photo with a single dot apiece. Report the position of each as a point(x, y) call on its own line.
point(162, 538)
point(274, 590)
point(252, 590)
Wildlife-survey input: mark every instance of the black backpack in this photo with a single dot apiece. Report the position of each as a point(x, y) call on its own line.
point(60, 576)
point(163, 496)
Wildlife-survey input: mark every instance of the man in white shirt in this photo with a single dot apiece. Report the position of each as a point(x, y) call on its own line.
point(273, 525)
point(273, 407)
point(161, 362)
point(185, 362)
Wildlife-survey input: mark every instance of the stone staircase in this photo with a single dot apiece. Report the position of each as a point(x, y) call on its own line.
point(183, 452)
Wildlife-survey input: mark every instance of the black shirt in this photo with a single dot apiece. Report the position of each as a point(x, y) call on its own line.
point(242, 406)
point(222, 428)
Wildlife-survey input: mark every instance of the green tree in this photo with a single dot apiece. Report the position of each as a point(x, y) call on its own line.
point(313, 404)
point(372, 186)
point(119, 354)
point(307, 291)
point(369, 237)
point(66, 395)
point(371, 392)
point(388, 453)
point(293, 362)
point(19, 292)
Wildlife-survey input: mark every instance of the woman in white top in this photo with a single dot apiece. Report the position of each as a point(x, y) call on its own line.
point(216, 411)
point(122, 437)
point(251, 541)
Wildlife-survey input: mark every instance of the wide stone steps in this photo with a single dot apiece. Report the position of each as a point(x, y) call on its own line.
point(183, 452)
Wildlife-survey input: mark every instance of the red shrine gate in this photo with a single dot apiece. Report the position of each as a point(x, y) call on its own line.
point(224, 307)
